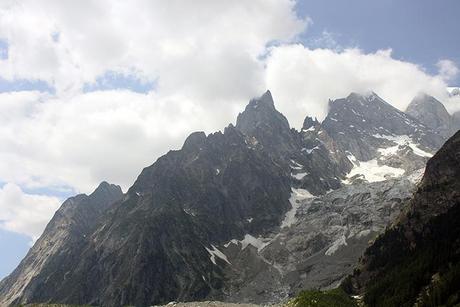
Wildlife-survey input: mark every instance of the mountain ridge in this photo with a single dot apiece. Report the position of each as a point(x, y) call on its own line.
point(163, 240)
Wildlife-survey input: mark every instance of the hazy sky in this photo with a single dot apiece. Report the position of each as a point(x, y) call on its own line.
point(97, 90)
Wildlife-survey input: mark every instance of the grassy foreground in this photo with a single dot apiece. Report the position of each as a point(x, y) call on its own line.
point(316, 298)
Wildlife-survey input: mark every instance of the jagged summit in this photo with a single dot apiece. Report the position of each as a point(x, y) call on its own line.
point(261, 120)
point(432, 113)
point(194, 141)
point(103, 192)
point(373, 131)
point(105, 187)
point(266, 99)
point(309, 122)
point(367, 95)
point(261, 113)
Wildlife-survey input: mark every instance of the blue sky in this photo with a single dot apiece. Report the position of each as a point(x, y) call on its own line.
point(419, 31)
point(119, 101)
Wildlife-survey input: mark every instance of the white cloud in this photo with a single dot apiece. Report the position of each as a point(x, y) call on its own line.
point(180, 42)
point(25, 213)
point(447, 69)
point(302, 80)
point(106, 135)
point(203, 55)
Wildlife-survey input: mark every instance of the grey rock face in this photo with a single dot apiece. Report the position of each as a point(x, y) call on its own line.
point(319, 249)
point(156, 244)
point(269, 127)
point(432, 113)
point(456, 120)
point(48, 262)
point(369, 129)
point(310, 155)
point(428, 226)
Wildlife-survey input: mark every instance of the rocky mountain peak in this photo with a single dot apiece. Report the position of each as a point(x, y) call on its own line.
point(431, 112)
point(266, 99)
point(261, 120)
point(261, 113)
point(194, 141)
point(310, 122)
point(370, 129)
point(105, 187)
point(364, 99)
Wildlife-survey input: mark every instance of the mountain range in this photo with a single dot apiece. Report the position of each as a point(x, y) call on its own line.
point(254, 214)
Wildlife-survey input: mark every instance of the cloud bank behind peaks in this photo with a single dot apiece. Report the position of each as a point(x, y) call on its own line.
point(302, 80)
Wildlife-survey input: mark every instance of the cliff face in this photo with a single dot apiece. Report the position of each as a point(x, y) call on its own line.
point(59, 247)
point(431, 112)
point(418, 258)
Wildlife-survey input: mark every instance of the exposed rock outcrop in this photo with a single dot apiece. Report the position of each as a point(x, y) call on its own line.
point(418, 259)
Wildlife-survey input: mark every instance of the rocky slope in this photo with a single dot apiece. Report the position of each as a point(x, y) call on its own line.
point(431, 112)
point(418, 259)
point(317, 247)
point(259, 204)
point(55, 252)
point(374, 134)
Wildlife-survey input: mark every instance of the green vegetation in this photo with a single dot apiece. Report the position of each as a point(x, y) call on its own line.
point(444, 289)
point(428, 274)
point(316, 298)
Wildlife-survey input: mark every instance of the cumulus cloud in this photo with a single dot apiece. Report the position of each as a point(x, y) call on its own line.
point(182, 43)
point(24, 213)
point(103, 135)
point(303, 79)
point(447, 69)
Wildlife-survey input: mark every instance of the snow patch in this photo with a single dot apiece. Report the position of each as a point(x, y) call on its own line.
point(299, 176)
point(309, 151)
point(296, 165)
point(363, 233)
point(312, 128)
point(342, 241)
point(416, 176)
point(214, 252)
point(297, 196)
point(401, 140)
point(371, 170)
point(256, 242)
point(233, 241)
point(189, 212)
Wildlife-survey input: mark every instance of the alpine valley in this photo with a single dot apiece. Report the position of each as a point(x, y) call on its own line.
point(261, 211)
